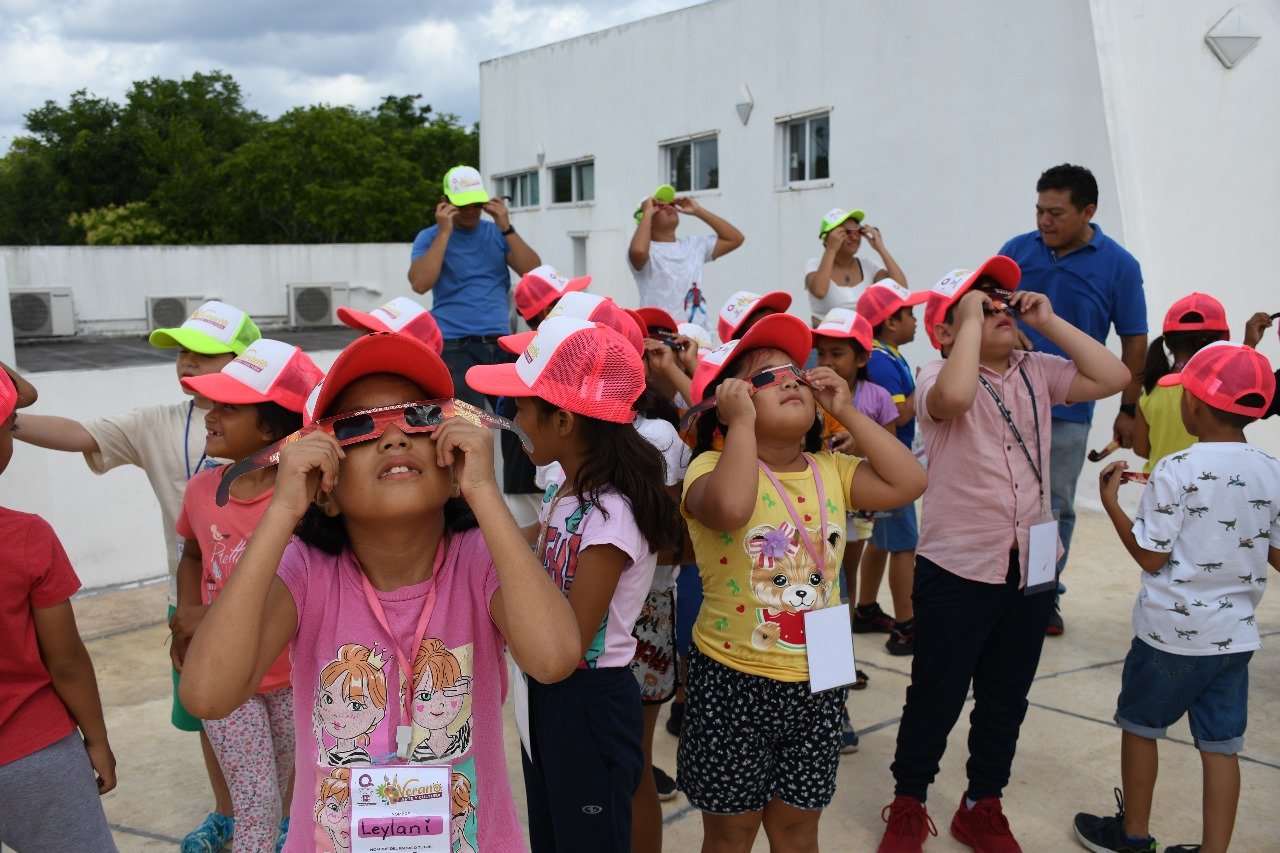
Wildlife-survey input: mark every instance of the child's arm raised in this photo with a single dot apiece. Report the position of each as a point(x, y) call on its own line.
point(255, 615)
point(71, 671)
point(724, 499)
point(530, 611)
point(1109, 489)
point(953, 391)
point(893, 477)
point(1100, 373)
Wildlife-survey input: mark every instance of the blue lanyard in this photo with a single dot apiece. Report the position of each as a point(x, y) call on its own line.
point(186, 443)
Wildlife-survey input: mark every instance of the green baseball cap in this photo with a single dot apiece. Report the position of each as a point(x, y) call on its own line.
point(665, 194)
point(212, 329)
point(462, 186)
point(835, 217)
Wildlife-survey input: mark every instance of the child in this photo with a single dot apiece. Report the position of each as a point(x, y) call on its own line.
point(167, 442)
point(744, 309)
point(1192, 323)
point(1207, 527)
point(984, 410)
point(575, 386)
point(766, 516)
point(887, 306)
point(387, 561)
point(843, 342)
point(257, 399)
point(47, 768)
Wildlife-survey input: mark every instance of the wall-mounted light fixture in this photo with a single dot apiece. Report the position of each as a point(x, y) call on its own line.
point(1232, 38)
point(745, 103)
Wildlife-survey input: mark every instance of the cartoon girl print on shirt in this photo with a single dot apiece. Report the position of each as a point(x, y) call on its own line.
point(441, 689)
point(333, 809)
point(462, 810)
point(351, 700)
point(786, 581)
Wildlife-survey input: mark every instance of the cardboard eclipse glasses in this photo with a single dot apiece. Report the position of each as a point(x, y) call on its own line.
point(761, 379)
point(369, 424)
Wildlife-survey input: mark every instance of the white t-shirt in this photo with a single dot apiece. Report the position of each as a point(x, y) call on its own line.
point(672, 279)
point(839, 296)
point(1215, 509)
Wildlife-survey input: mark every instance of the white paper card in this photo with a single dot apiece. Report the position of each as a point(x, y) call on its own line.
point(829, 647)
point(520, 705)
point(400, 807)
point(1042, 554)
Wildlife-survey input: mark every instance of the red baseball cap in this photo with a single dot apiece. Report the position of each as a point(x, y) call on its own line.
point(780, 331)
point(401, 315)
point(268, 371)
point(1213, 317)
point(542, 286)
point(381, 352)
point(583, 306)
point(656, 318)
point(739, 308)
point(1223, 373)
point(1004, 271)
point(883, 299)
point(844, 323)
point(583, 367)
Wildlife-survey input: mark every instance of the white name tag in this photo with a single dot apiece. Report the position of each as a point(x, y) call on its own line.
point(400, 807)
point(829, 647)
point(1042, 556)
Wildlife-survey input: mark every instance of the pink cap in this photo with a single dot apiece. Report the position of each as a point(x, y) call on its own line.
point(381, 352)
point(267, 371)
point(656, 318)
point(1223, 373)
point(843, 323)
point(1213, 317)
point(584, 367)
point(583, 306)
point(1004, 271)
point(542, 286)
point(780, 331)
point(8, 395)
point(401, 315)
point(739, 308)
point(882, 300)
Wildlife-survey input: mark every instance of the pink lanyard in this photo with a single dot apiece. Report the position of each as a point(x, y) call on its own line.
point(405, 703)
point(803, 531)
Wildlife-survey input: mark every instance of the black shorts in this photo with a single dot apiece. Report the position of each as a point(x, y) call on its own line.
point(749, 739)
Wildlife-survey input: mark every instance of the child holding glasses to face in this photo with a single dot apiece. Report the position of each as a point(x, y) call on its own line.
point(388, 569)
point(767, 519)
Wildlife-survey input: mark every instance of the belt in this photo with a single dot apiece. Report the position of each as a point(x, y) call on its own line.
point(474, 339)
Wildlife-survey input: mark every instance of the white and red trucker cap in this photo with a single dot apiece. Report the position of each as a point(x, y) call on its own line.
point(402, 316)
point(268, 371)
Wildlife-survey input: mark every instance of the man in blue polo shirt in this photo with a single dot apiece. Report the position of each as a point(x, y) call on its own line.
point(463, 261)
point(1093, 284)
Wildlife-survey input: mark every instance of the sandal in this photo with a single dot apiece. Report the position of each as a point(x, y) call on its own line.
point(862, 681)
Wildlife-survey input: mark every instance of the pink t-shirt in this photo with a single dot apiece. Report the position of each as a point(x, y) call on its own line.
point(975, 463)
point(348, 686)
point(223, 533)
point(570, 529)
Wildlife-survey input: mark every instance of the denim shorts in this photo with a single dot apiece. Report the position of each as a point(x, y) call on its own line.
point(895, 530)
point(1157, 688)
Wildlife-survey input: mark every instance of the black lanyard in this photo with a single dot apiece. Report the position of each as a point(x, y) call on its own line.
point(1008, 418)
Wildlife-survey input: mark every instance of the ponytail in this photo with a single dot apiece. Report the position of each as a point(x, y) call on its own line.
point(1157, 364)
point(1182, 344)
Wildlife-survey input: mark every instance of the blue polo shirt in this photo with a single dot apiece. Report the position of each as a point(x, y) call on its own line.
point(888, 369)
point(470, 297)
point(1093, 288)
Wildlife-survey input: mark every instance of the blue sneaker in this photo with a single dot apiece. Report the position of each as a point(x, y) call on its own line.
point(211, 836)
point(284, 833)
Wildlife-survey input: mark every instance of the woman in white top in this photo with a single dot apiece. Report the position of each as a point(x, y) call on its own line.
point(837, 279)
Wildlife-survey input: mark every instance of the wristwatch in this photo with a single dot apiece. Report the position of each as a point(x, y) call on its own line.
point(1130, 409)
point(511, 229)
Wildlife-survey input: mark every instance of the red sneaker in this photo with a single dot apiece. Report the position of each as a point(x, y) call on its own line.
point(984, 827)
point(909, 826)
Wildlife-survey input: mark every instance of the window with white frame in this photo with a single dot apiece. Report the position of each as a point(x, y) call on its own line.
point(573, 182)
point(806, 147)
point(693, 164)
point(520, 189)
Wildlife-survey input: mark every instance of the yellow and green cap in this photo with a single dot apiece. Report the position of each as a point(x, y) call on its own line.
point(835, 217)
point(665, 194)
point(212, 329)
point(462, 186)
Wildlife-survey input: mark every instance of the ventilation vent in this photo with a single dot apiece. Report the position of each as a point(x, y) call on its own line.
point(42, 313)
point(167, 312)
point(316, 304)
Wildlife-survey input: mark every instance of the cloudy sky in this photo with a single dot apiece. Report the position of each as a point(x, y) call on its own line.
point(284, 53)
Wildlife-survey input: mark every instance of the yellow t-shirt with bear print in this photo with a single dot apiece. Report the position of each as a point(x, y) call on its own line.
point(758, 581)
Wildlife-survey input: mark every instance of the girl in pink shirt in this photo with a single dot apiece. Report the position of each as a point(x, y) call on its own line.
point(387, 568)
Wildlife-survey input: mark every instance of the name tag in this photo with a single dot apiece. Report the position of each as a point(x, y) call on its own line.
point(829, 648)
point(397, 808)
point(1042, 557)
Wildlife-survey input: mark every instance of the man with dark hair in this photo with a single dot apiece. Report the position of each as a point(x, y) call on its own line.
point(1094, 284)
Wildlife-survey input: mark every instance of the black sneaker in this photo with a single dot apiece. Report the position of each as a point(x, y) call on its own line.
point(676, 721)
point(1055, 628)
point(1183, 848)
point(667, 789)
point(1107, 833)
point(870, 619)
point(902, 639)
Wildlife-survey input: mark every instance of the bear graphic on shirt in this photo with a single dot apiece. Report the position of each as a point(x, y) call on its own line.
point(787, 582)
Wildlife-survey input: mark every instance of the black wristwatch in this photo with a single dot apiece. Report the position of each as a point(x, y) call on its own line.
point(511, 229)
point(1130, 409)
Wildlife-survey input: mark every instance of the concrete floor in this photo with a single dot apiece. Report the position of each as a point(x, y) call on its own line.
point(1068, 756)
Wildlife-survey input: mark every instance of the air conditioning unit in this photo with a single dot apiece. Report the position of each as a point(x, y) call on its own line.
point(42, 313)
point(316, 304)
point(167, 312)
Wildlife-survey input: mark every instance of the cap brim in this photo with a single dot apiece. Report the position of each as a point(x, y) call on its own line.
point(473, 197)
point(917, 297)
point(221, 388)
point(385, 352)
point(362, 321)
point(855, 214)
point(498, 380)
point(188, 339)
point(656, 318)
point(1169, 380)
point(517, 343)
point(1003, 270)
point(780, 331)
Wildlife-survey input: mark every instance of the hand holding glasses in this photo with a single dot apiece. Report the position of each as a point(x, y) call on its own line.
point(761, 379)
